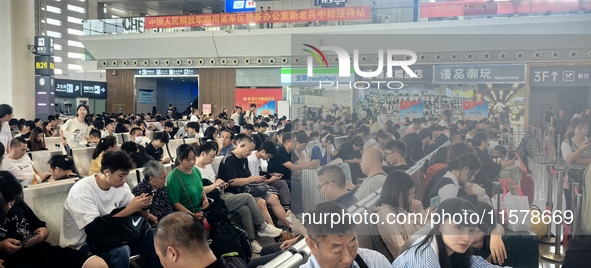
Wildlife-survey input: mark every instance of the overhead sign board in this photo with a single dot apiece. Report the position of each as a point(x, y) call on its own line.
point(549, 76)
point(76, 88)
point(67, 88)
point(240, 6)
point(299, 76)
point(479, 74)
point(44, 45)
point(424, 74)
point(94, 90)
point(44, 65)
point(166, 72)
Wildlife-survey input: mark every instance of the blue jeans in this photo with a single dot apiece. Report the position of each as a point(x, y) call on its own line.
point(119, 257)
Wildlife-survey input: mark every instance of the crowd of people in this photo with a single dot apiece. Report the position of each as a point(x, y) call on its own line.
point(259, 182)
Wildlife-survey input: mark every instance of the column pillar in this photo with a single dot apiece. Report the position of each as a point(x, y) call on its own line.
point(23, 61)
point(6, 52)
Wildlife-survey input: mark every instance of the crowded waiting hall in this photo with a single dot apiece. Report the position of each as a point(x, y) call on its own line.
point(249, 134)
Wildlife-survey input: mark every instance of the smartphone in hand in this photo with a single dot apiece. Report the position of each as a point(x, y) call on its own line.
point(27, 239)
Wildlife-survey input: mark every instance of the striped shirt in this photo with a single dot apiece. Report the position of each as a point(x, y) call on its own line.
point(429, 258)
point(569, 146)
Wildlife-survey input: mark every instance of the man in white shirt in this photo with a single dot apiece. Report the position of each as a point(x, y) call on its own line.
point(136, 135)
point(334, 244)
point(99, 195)
point(20, 164)
point(251, 114)
point(267, 150)
point(253, 211)
point(371, 166)
point(194, 115)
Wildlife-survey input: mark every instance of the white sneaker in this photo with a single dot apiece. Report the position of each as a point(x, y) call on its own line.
point(270, 231)
point(255, 247)
point(290, 217)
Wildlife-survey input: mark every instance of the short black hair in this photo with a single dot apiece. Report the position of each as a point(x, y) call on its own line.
point(193, 125)
point(249, 127)
point(206, 147)
point(288, 136)
point(63, 162)
point(51, 117)
point(162, 137)
point(396, 146)
point(18, 141)
point(99, 124)
point(425, 133)
point(169, 124)
point(10, 189)
point(243, 138)
point(478, 139)
point(269, 147)
point(37, 120)
point(95, 133)
point(129, 147)
point(183, 151)
point(357, 141)
point(133, 130)
point(335, 173)
point(302, 137)
point(116, 160)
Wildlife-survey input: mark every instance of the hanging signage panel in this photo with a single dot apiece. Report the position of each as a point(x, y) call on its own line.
point(551, 76)
point(479, 74)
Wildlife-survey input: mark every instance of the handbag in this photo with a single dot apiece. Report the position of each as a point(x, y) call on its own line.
point(255, 189)
point(513, 208)
point(108, 232)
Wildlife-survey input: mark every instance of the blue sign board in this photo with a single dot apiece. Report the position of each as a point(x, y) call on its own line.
point(240, 6)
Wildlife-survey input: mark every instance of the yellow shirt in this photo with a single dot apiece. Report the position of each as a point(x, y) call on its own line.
point(95, 165)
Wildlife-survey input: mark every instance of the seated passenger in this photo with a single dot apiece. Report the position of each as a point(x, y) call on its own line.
point(490, 169)
point(97, 196)
point(61, 167)
point(489, 246)
point(139, 157)
point(378, 142)
point(137, 135)
point(371, 166)
point(37, 140)
point(184, 185)
point(20, 164)
point(456, 182)
point(350, 152)
point(447, 238)
point(191, 130)
point(154, 184)
point(107, 144)
point(94, 138)
point(398, 197)
point(169, 129)
point(18, 222)
point(154, 148)
point(335, 244)
point(227, 138)
point(253, 213)
point(26, 129)
point(265, 152)
point(181, 242)
point(324, 151)
point(332, 184)
point(395, 156)
point(234, 170)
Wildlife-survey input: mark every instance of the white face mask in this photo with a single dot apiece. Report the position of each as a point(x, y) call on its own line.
point(139, 140)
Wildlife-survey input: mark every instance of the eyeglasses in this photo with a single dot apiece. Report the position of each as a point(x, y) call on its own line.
point(320, 186)
point(212, 155)
point(387, 154)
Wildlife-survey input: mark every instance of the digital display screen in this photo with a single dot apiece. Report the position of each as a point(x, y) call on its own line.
point(240, 6)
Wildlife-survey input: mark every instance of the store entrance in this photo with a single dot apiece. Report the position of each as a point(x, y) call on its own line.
point(567, 98)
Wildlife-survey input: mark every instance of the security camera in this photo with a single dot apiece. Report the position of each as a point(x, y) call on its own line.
point(32, 48)
point(114, 72)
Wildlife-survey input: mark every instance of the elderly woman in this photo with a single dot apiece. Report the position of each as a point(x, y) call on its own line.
point(154, 183)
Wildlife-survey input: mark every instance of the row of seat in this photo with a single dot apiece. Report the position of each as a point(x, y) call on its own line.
point(299, 253)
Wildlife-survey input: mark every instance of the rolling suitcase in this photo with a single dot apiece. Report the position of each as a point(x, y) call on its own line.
point(527, 187)
point(522, 249)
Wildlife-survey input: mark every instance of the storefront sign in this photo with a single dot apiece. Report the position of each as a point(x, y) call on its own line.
point(424, 74)
point(549, 76)
point(264, 98)
point(240, 6)
point(166, 72)
point(411, 110)
point(146, 96)
point(325, 14)
point(475, 110)
point(299, 76)
point(94, 90)
point(479, 74)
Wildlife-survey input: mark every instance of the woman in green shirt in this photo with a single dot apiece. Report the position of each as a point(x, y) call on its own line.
point(185, 188)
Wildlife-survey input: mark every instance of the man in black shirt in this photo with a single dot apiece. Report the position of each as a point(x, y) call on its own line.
point(395, 156)
point(561, 124)
point(234, 170)
point(231, 126)
point(262, 129)
point(332, 184)
point(169, 129)
point(154, 148)
point(548, 116)
point(350, 152)
point(191, 252)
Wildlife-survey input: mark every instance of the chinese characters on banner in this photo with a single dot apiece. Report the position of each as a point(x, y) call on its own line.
point(324, 14)
point(479, 74)
point(411, 109)
point(475, 110)
point(265, 99)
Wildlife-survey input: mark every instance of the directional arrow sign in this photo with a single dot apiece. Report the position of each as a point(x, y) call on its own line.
point(554, 75)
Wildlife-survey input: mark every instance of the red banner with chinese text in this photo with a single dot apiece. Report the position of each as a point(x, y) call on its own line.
point(323, 14)
point(265, 99)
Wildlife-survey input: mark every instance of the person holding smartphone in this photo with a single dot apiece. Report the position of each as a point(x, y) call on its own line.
point(23, 234)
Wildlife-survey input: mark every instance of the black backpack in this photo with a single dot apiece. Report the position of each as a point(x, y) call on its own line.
point(241, 120)
point(224, 236)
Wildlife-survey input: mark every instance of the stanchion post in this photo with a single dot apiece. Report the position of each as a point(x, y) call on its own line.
point(557, 256)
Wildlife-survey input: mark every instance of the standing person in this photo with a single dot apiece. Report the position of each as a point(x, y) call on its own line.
point(6, 113)
point(560, 124)
point(548, 116)
point(100, 195)
point(262, 25)
point(269, 25)
point(171, 110)
point(236, 115)
point(576, 151)
point(18, 221)
point(251, 114)
point(194, 115)
point(77, 129)
point(374, 13)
